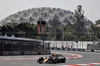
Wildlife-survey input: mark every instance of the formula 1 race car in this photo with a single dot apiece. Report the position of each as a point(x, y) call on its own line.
point(58, 58)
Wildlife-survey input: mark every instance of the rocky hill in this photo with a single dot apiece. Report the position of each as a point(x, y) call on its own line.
point(44, 13)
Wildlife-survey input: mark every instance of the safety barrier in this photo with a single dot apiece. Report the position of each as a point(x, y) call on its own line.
point(11, 53)
point(16, 52)
point(75, 49)
point(1, 53)
point(71, 49)
point(24, 53)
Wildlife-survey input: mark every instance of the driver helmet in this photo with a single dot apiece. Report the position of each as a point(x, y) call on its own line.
point(53, 55)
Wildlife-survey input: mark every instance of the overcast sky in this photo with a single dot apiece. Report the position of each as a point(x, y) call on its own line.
point(91, 7)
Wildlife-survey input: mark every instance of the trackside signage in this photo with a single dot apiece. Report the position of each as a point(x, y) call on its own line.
point(41, 27)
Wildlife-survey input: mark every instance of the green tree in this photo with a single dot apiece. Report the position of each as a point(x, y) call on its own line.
point(87, 38)
point(9, 28)
point(24, 29)
point(53, 29)
point(97, 22)
point(69, 34)
point(70, 30)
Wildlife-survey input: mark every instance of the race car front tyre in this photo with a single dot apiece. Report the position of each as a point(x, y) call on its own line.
point(63, 60)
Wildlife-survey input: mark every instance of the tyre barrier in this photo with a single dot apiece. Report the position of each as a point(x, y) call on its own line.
point(11, 53)
point(1, 52)
point(75, 49)
point(6, 53)
point(70, 49)
point(34, 52)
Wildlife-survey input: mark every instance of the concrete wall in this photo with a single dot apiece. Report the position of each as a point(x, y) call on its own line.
point(73, 44)
point(92, 46)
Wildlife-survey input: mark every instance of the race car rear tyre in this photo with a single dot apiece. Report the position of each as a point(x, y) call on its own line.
point(40, 60)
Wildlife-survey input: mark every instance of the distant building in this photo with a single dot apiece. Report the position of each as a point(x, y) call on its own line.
point(34, 14)
point(22, 46)
point(98, 33)
point(98, 26)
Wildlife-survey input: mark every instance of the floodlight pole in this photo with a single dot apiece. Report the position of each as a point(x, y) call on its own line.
point(40, 30)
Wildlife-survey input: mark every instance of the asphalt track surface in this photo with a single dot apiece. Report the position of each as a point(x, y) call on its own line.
point(30, 60)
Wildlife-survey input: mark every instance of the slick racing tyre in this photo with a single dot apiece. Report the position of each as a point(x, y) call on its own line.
point(54, 60)
point(63, 60)
point(40, 60)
